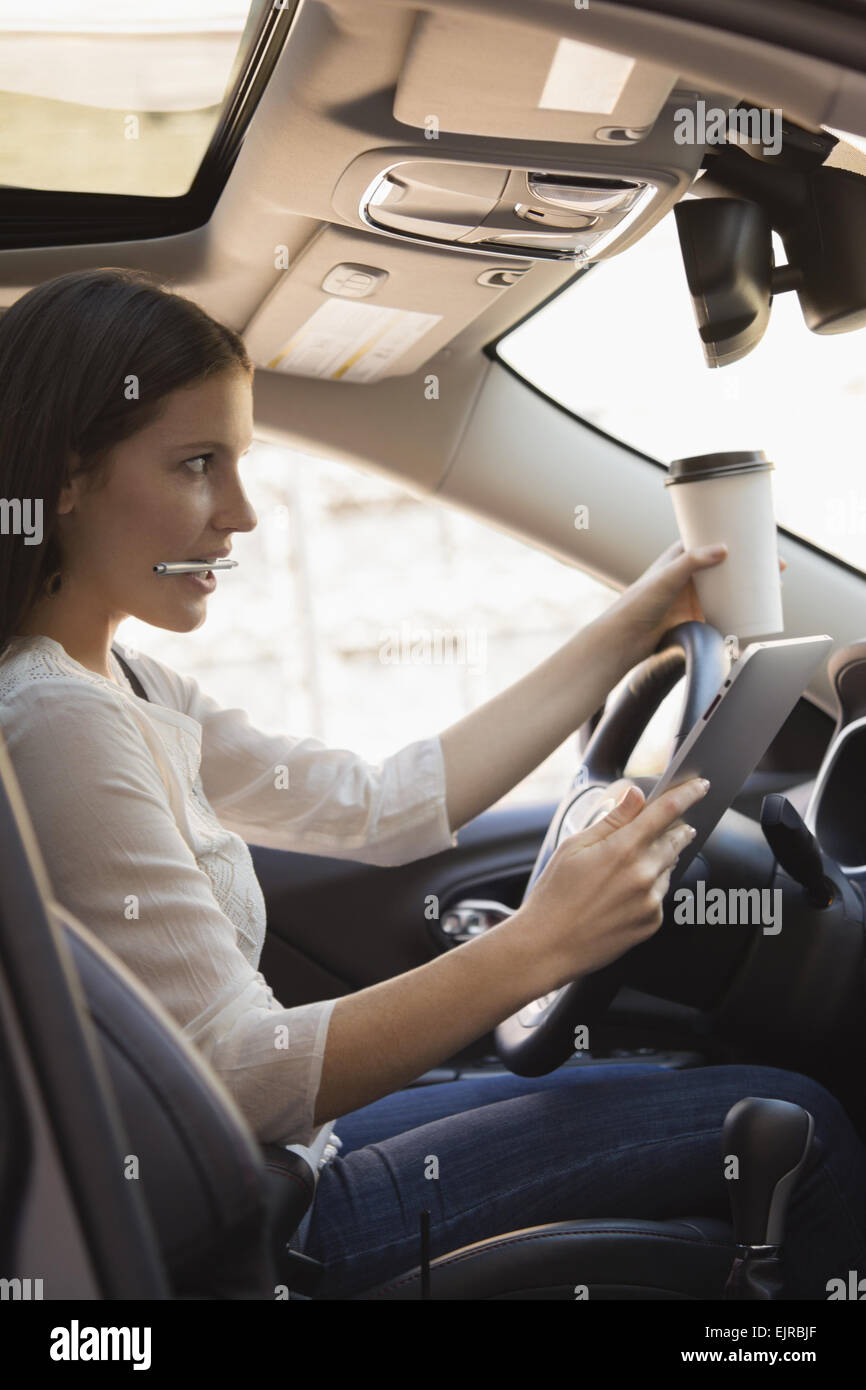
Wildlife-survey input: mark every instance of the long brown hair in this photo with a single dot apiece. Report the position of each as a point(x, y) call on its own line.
point(69, 351)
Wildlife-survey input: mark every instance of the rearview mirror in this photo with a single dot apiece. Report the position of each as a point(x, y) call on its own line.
point(727, 251)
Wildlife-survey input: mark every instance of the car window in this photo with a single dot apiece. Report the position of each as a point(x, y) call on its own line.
point(368, 617)
point(619, 347)
point(115, 96)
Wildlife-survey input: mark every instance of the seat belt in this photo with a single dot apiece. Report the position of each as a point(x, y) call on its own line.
point(131, 676)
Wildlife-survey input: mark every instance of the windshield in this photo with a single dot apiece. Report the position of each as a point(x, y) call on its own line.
point(620, 348)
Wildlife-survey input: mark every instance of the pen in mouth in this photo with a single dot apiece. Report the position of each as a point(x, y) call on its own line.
point(193, 566)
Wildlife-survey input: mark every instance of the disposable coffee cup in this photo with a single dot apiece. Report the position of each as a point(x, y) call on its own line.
point(728, 498)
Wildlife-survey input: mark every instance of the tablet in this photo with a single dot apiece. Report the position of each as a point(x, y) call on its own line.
point(730, 738)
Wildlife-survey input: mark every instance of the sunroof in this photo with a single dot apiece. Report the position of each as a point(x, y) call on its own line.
point(118, 97)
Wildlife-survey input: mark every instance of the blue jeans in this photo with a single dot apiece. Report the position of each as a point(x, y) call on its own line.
point(632, 1141)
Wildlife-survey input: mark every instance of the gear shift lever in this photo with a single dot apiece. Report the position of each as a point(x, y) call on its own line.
point(771, 1140)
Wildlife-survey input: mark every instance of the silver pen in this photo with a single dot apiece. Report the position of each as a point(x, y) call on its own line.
point(193, 566)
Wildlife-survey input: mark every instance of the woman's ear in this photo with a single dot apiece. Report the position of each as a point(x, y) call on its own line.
point(71, 491)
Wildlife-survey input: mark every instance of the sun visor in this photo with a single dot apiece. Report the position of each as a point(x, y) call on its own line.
point(471, 76)
point(358, 308)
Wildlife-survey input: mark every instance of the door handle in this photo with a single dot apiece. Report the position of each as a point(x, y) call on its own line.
point(471, 917)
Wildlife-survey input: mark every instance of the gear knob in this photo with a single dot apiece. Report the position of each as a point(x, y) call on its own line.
point(771, 1140)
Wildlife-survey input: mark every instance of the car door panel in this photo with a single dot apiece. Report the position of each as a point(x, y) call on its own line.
point(335, 925)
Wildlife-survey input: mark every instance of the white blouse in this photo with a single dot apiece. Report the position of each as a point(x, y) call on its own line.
point(142, 810)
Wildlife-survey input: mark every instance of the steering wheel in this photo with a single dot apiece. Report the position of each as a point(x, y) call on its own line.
point(541, 1036)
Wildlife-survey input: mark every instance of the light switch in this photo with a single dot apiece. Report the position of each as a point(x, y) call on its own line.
point(353, 281)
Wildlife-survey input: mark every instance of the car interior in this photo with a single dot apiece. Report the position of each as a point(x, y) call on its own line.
point(380, 194)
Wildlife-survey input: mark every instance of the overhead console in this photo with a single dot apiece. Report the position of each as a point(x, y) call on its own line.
point(581, 155)
point(519, 211)
point(474, 152)
point(578, 206)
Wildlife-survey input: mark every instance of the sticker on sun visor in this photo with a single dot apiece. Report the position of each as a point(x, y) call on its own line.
point(585, 79)
point(352, 342)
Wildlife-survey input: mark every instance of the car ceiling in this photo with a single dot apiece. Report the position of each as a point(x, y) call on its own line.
point(350, 91)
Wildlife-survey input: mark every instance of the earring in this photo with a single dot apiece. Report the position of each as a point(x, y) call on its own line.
point(52, 585)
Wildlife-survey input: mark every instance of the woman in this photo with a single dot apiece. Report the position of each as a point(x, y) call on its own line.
point(125, 410)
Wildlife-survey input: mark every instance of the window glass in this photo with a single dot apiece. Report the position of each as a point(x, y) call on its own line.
point(113, 96)
point(619, 347)
point(369, 618)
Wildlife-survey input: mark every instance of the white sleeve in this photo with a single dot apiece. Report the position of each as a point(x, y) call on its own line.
point(117, 860)
point(297, 794)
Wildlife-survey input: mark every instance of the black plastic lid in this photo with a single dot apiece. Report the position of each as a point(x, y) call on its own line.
point(701, 466)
